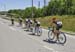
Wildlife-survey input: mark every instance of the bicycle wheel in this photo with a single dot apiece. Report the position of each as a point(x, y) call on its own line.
point(39, 32)
point(62, 38)
point(51, 35)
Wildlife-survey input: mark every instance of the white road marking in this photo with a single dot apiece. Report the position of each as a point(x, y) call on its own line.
point(1, 23)
point(50, 48)
point(12, 28)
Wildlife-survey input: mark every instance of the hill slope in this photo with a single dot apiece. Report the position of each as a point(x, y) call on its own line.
point(68, 22)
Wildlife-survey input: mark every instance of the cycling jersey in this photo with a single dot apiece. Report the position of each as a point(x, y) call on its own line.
point(58, 24)
point(30, 21)
point(37, 23)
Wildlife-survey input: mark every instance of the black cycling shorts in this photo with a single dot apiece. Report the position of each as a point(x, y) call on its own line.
point(58, 27)
point(38, 25)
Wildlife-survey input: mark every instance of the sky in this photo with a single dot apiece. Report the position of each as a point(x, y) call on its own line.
point(19, 4)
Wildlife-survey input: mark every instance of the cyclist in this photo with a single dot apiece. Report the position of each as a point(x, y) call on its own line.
point(57, 25)
point(26, 22)
point(36, 25)
point(12, 21)
point(29, 24)
point(20, 21)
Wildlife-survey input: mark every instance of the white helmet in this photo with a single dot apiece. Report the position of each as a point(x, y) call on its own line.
point(59, 23)
point(38, 22)
point(31, 21)
point(26, 19)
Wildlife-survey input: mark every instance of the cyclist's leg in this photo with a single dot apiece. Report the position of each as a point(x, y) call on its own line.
point(26, 24)
point(20, 22)
point(39, 28)
point(35, 28)
point(12, 22)
point(57, 31)
point(31, 26)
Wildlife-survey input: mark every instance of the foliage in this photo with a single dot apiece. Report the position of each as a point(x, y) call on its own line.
point(55, 7)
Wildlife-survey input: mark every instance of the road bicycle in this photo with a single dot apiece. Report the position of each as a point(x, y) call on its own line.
point(61, 36)
point(38, 31)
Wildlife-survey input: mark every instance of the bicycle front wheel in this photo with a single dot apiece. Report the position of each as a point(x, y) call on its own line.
point(39, 32)
point(51, 35)
point(62, 38)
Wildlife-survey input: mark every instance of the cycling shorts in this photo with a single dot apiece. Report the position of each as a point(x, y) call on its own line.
point(58, 27)
point(38, 25)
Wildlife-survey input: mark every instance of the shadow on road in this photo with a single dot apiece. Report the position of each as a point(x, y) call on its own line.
point(18, 26)
point(52, 42)
point(26, 30)
point(48, 41)
point(33, 34)
point(23, 27)
point(11, 25)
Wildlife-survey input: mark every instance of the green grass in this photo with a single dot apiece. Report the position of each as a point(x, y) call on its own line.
point(68, 22)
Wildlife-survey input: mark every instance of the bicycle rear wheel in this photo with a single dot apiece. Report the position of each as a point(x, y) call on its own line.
point(62, 38)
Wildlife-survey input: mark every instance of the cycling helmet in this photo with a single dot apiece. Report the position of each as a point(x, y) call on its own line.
point(38, 22)
point(31, 21)
point(26, 19)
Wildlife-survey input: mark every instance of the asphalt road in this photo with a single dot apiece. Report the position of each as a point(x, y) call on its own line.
point(15, 39)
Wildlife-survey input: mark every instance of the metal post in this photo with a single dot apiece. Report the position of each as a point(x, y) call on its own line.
point(5, 8)
point(44, 3)
point(32, 9)
point(38, 8)
point(66, 7)
point(44, 6)
point(38, 4)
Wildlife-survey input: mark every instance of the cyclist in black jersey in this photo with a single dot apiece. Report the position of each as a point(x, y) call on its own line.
point(20, 21)
point(57, 25)
point(12, 21)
